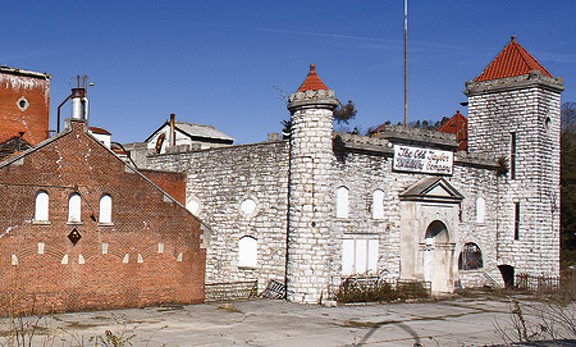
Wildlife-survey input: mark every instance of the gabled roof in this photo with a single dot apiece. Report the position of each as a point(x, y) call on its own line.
point(512, 61)
point(195, 131)
point(457, 125)
point(434, 189)
point(312, 81)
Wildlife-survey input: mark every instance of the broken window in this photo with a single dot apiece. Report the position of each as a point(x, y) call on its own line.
point(41, 207)
point(470, 258)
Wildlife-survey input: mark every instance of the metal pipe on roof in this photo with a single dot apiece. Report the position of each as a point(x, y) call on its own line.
point(172, 130)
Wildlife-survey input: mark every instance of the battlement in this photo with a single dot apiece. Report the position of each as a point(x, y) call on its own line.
point(533, 79)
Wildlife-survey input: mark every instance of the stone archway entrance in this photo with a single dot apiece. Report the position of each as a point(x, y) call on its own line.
point(437, 257)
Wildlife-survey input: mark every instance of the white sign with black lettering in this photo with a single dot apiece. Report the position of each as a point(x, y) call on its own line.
point(415, 159)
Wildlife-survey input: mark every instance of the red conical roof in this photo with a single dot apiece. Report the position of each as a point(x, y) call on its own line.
point(312, 81)
point(512, 61)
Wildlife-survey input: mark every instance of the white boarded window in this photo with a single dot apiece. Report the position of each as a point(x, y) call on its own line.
point(359, 257)
point(247, 251)
point(342, 202)
point(74, 204)
point(378, 204)
point(480, 210)
point(41, 206)
point(105, 215)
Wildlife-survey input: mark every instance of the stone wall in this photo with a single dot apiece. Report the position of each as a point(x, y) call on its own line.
point(219, 180)
point(532, 112)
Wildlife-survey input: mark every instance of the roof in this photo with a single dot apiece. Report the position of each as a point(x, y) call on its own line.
point(513, 60)
point(312, 81)
point(435, 189)
point(16, 71)
point(457, 125)
point(195, 131)
point(97, 130)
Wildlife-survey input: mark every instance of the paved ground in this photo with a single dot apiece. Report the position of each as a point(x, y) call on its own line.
point(454, 322)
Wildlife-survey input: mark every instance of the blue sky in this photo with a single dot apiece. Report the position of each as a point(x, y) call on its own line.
point(223, 62)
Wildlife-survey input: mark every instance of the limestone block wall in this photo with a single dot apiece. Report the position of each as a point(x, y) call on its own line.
point(219, 181)
point(533, 114)
point(363, 174)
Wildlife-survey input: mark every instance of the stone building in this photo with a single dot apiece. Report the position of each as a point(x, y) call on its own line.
point(406, 204)
point(80, 229)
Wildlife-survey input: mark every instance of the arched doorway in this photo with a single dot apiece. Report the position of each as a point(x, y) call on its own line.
point(437, 267)
point(507, 272)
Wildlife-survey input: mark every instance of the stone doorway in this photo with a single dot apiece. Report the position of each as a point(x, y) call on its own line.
point(437, 257)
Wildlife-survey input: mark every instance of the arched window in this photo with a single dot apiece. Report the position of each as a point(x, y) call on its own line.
point(247, 251)
point(41, 207)
point(74, 206)
point(105, 215)
point(470, 258)
point(342, 202)
point(193, 204)
point(480, 210)
point(378, 204)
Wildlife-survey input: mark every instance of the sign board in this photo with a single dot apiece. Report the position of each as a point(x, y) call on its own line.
point(415, 159)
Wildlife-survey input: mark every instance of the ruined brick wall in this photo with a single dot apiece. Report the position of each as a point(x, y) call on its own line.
point(150, 254)
point(173, 183)
point(24, 105)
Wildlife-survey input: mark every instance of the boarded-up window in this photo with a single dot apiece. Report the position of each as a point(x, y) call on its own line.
point(378, 204)
point(247, 251)
point(480, 210)
point(359, 256)
point(342, 202)
point(41, 207)
point(105, 215)
point(74, 207)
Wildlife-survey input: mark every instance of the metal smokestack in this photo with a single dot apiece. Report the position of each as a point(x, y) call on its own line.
point(78, 97)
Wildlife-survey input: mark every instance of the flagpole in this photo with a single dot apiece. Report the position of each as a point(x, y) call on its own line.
point(405, 63)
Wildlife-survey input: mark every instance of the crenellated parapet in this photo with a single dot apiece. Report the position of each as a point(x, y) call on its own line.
point(318, 99)
point(533, 79)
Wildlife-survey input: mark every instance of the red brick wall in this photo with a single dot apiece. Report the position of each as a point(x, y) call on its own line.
point(142, 218)
point(34, 121)
point(173, 183)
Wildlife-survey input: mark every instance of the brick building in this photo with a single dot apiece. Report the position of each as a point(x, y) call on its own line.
point(407, 204)
point(24, 108)
point(81, 229)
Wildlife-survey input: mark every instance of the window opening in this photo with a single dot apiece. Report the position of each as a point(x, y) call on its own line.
point(41, 206)
point(517, 221)
point(74, 206)
point(342, 202)
point(513, 153)
point(470, 258)
point(105, 215)
point(378, 204)
point(247, 248)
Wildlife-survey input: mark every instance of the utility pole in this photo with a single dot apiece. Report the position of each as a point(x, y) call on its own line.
point(405, 63)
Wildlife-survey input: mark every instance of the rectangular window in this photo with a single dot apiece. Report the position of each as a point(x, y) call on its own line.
point(359, 256)
point(517, 221)
point(513, 155)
